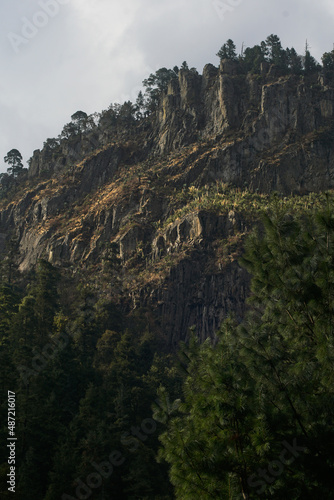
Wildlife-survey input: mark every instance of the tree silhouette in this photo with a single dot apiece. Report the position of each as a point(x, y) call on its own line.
point(228, 51)
point(14, 159)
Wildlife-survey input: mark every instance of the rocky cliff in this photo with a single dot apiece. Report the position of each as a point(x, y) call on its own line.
point(175, 194)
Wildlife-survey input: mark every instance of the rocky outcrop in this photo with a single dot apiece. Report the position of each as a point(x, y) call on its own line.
point(200, 290)
point(259, 123)
point(272, 123)
point(264, 132)
point(203, 226)
point(192, 298)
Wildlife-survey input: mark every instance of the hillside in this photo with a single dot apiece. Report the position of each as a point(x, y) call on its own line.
point(173, 194)
point(167, 291)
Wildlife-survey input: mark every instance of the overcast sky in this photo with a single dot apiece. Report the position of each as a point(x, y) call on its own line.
point(60, 56)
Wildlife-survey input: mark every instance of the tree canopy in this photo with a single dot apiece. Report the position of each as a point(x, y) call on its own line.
point(256, 415)
point(228, 51)
point(79, 119)
point(271, 51)
point(14, 159)
point(157, 83)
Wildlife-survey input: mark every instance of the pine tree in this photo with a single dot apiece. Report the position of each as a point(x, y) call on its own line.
point(228, 51)
point(294, 61)
point(257, 414)
point(310, 64)
point(275, 53)
point(254, 57)
point(328, 63)
point(14, 159)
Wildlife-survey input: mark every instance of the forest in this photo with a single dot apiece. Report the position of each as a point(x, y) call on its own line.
point(105, 411)
point(97, 401)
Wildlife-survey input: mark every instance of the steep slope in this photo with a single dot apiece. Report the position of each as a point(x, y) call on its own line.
point(174, 194)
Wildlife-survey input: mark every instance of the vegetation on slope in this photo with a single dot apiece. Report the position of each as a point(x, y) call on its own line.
point(248, 416)
point(256, 415)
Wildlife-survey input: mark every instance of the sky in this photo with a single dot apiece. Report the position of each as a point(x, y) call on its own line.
point(61, 56)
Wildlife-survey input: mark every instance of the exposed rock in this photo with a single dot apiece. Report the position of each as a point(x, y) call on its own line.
point(128, 242)
point(191, 297)
point(267, 132)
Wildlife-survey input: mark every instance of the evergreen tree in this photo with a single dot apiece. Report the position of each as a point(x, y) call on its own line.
point(328, 63)
point(8, 375)
point(14, 159)
point(228, 51)
point(8, 266)
point(253, 57)
point(310, 64)
point(294, 61)
point(79, 119)
point(126, 115)
point(51, 144)
point(257, 414)
point(275, 53)
point(6, 184)
point(156, 84)
point(139, 106)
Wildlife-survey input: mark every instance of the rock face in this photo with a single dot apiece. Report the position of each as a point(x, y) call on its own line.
point(124, 189)
point(272, 123)
point(192, 298)
point(200, 291)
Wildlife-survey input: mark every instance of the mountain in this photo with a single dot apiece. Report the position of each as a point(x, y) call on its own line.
point(129, 233)
point(152, 208)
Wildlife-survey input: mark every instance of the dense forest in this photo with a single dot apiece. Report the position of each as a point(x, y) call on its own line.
point(250, 414)
point(106, 407)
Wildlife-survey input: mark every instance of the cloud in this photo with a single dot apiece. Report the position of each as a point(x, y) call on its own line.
point(90, 54)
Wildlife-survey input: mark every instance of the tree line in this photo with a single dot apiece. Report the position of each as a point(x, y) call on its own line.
point(121, 117)
point(271, 51)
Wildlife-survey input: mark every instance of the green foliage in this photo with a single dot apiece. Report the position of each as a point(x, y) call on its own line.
point(79, 119)
point(294, 61)
point(51, 144)
point(286, 60)
point(69, 131)
point(328, 63)
point(8, 265)
point(140, 106)
point(14, 159)
point(310, 64)
point(275, 53)
point(228, 51)
point(126, 115)
point(253, 57)
point(6, 184)
point(221, 198)
point(256, 416)
point(156, 84)
point(15, 171)
point(84, 383)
